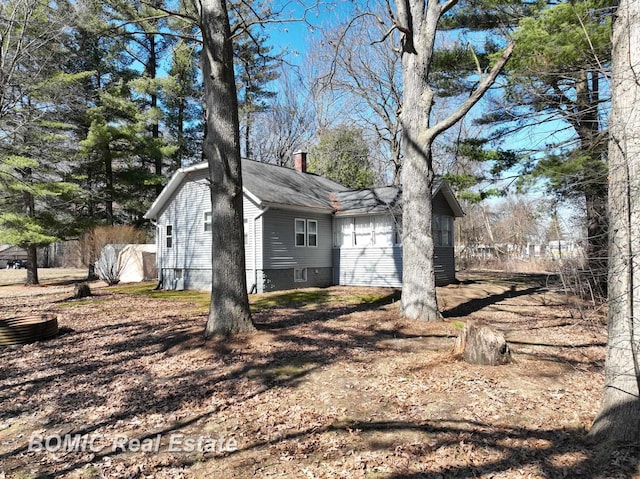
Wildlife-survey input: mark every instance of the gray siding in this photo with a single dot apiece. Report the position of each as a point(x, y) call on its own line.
point(444, 265)
point(372, 266)
point(282, 279)
point(280, 251)
point(191, 248)
point(440, 205)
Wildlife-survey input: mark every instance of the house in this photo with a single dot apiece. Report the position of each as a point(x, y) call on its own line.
point(300, 230)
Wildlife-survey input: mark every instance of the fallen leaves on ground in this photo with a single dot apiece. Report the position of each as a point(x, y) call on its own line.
point(333, 389)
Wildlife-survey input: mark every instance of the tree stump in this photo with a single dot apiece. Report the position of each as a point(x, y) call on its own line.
point(481, 344)
point(81, 290)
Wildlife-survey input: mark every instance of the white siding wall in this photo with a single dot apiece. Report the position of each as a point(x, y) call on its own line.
point(191, 248)
point(372, 266)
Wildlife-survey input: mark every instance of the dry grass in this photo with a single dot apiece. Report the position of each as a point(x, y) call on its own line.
point(334, 384)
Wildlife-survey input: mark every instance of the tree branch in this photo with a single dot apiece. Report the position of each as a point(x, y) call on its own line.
point(476, 95)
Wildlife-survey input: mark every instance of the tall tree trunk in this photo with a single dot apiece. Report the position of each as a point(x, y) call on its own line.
point(32, 265)
point(418, 22)
point(597, 235)
point(617, 421)
point(229, 313)
point(418, 277)
point(152, 70)
point(32, 251)
point(109, 190)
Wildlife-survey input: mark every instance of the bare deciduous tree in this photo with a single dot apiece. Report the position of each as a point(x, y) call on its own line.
point(417, 20)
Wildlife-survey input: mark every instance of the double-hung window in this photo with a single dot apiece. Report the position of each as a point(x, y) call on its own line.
point(312, 233)
point(207, 221)
point(169, 236)
point(301, 232)
point(306, 232)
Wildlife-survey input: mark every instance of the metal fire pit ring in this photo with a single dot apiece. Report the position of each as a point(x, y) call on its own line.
point(27, 329)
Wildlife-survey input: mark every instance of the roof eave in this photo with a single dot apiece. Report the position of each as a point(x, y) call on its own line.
point(170, 188)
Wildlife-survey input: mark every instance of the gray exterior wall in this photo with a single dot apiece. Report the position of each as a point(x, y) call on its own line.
point(444, 265)
point(443, 256)
point(281, 279)
point(279, 246)
point(190, 253)
point(281, 255)
point(382, 266)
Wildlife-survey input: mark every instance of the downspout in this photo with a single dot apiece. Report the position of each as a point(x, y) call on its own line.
point(158, 247)
point(255, 250)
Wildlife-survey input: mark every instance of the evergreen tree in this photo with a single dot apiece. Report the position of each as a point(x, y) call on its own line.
point(35, 200)
point(556, 76)
point(255, 68)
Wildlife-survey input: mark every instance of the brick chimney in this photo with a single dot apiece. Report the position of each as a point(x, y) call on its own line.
point(300, 161)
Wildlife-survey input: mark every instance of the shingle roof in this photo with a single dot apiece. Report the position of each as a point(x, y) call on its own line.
point(376, 200)
point(279, 186)
point(283, 186)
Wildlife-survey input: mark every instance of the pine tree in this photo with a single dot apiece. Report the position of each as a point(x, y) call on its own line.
point(35, 200)
point(556, 76)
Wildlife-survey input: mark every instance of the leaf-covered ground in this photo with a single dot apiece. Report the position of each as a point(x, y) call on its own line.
point(335, 384)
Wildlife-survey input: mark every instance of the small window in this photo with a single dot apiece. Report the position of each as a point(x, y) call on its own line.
point(363, 231)
point(246, 231)
point(207, 221)
point(312, 233)
point(301, 232)
point(343, 232)
point(437, 230)
point(300, 275)
point(169, 236)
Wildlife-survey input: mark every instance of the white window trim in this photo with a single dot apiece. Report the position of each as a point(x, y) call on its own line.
point(207, 222)
point(303, 272)
point(397, 239)
point(168, 236)
point(309, 234)
point(295, 232)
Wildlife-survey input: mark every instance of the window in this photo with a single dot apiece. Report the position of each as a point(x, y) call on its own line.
point(442, 230)
point(312, 233)
point(246, 232)
point(343, 232)
point(169, 236)
point(299, 275)
point(363, 231)
point(437, 230)
point(383, 231)
point(207, 221)
point(447, 231)
point(301, 232)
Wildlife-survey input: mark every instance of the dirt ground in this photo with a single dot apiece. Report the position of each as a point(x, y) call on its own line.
point(335, 384)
